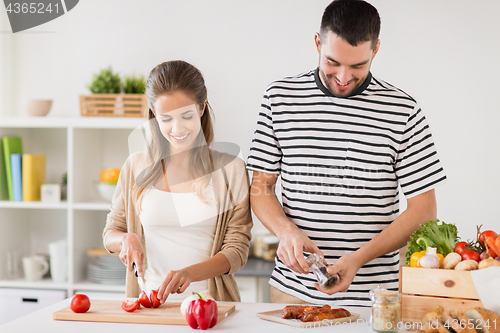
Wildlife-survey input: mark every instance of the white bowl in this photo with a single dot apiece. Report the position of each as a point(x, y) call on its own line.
point(106, 190)
point(38, 107)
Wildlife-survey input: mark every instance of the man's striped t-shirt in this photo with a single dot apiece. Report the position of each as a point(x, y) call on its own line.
point(341, 161)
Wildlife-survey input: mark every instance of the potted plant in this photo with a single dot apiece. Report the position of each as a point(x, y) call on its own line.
point(113, 97)
point(106, 82)
point(134, 85)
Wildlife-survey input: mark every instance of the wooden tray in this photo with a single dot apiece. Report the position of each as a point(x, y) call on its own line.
point(111, 311)
point(275, 316)
point(113, 105)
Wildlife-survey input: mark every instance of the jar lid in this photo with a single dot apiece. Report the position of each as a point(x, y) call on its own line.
point(383, 295)
point(386, 293)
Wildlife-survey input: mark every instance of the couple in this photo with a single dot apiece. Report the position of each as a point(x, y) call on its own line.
point(342, 141)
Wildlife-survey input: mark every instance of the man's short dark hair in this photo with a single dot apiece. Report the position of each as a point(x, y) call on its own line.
point(355, 21)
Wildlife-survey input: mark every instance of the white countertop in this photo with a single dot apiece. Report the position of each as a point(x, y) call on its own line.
point(244, 319)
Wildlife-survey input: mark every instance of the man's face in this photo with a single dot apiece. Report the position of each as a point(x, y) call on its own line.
point(343, 67)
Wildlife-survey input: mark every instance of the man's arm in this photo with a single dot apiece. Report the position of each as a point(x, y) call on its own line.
point(267, 208)
point(421, 209)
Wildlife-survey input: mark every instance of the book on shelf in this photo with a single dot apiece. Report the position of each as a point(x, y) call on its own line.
point(4, 191)
point(33, 176)
point(16, 171)
point(11, 145)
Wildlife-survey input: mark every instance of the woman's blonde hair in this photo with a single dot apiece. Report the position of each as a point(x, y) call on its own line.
point(167, 78)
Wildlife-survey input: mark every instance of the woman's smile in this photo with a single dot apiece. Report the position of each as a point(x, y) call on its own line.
point(180, 138)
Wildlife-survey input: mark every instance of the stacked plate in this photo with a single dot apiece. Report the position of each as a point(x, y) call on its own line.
point(107, 270)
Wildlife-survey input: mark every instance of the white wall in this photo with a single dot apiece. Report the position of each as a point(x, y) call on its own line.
point(6, 60)
point(444, 53)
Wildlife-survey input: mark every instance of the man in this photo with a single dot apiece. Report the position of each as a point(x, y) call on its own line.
point(342, 141)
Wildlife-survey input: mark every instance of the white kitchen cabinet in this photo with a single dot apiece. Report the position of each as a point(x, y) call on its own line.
point(82, 147)
point(247, 285)
point(15, 303)
point(254, 289)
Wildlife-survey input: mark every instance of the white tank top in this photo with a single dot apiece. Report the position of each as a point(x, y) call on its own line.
point(179, 231)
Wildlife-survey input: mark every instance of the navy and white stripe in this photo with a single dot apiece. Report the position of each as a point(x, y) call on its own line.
point(341, 161)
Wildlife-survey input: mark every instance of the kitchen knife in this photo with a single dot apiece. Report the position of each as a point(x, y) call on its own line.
point(142, 284)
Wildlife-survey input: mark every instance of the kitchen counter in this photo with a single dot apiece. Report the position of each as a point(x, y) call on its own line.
point(256, 267)
point(244, 319)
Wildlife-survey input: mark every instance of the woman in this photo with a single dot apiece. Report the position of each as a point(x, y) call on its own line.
point(181, 210)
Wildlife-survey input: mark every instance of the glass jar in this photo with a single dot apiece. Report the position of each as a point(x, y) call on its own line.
point(325, 279)
point(386, 310)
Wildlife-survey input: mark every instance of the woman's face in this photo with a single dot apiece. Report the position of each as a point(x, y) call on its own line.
point(178, 116)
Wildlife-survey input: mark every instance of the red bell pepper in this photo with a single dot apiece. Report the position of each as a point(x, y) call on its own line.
point(201, 313)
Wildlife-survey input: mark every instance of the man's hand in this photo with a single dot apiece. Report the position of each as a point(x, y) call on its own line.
point(346, 267)
point(292, 244)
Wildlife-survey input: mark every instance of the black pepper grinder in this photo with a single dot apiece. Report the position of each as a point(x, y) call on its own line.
point(325, 279)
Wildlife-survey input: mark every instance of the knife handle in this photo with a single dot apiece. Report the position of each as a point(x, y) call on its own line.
point(135, 269)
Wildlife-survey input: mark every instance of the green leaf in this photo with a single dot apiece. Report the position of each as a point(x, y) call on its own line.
point(442, 236)
point(106, 82)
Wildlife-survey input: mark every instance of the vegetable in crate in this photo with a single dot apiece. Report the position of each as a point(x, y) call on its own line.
point(451, 260)
point(430, 259)
point(467, 265)
point(415, 257)
point(485, 263)
point(442, 236)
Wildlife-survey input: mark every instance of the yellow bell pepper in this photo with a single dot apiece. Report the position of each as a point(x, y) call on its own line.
point(441, 257)
point(417, 255)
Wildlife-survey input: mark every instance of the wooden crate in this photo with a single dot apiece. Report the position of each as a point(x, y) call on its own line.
point(423, 288)
point(113, 105)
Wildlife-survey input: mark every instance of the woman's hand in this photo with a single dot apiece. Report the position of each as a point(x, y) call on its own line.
point(132, 251)
point(175, 282)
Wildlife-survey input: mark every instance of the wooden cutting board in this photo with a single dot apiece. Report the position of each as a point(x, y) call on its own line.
point(111, 311)
point(276, 316)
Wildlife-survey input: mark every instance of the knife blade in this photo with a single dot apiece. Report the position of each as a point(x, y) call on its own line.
point(142, 284)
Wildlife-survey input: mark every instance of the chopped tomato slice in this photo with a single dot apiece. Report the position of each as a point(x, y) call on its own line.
point(130, 306)
point(154, 298)
point(144, 300)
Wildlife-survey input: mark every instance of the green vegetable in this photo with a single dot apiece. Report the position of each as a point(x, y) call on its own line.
point(442, 236)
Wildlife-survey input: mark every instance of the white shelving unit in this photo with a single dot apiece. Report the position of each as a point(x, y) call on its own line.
point(82, 147)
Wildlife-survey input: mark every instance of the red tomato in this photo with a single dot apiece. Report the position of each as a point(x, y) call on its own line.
point(130, 306)
point(460, 248)
point(486, 234)
point(80, 303)
point(144, 300)
point(471, 255)
point(154, 298)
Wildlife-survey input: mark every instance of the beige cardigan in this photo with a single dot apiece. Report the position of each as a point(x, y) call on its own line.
point(234, 220)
